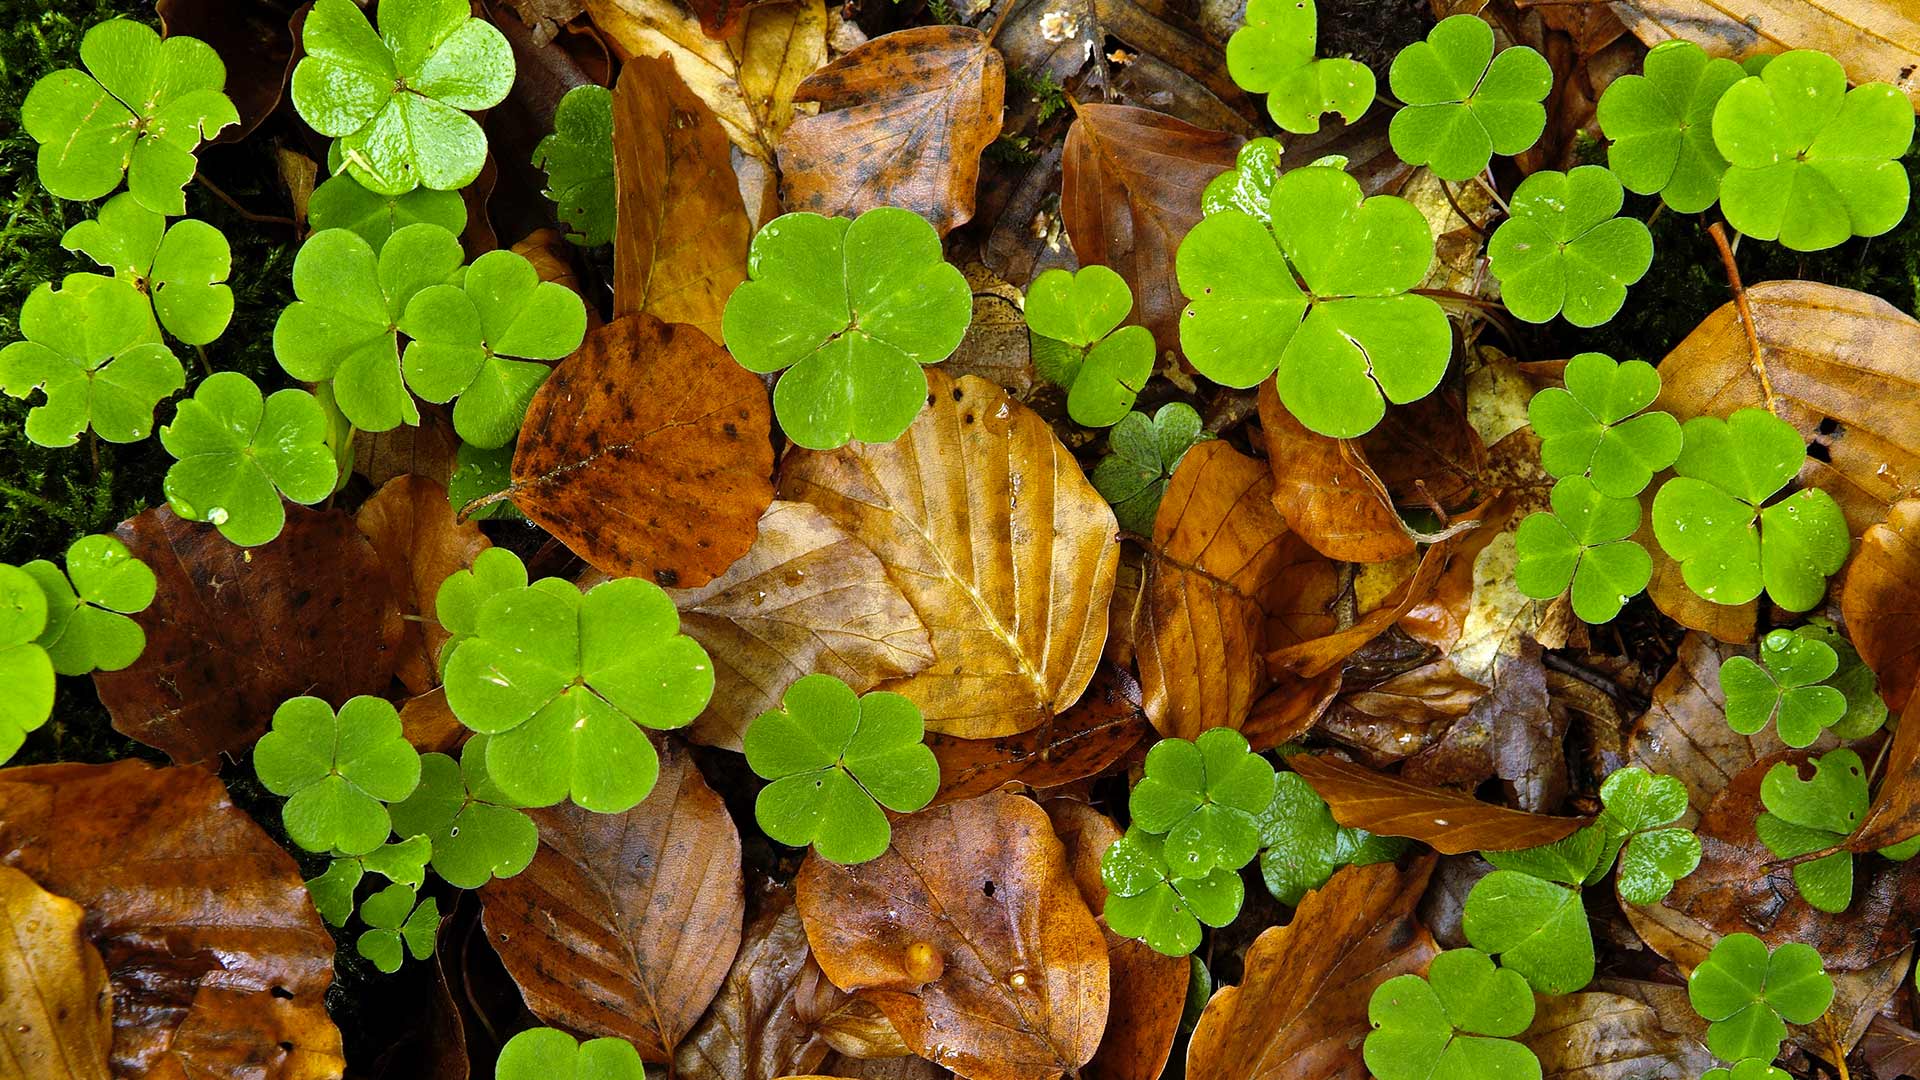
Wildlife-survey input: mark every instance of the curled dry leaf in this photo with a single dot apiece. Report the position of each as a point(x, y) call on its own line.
point(1881, 601)
point(902, 121)
point(59, 1006)
point(412, 528)
point(1300, 1013)
point(988, 526)
point(648, 453)
point(1308, 651)
point(1895, 813)
point(234, 631)
point(1084, 741)
point(1600, 1036)
point(218, 961)
point(1327, 492)
point(625, 924)
point(1451, 822)
point(681, 244)
point(807, 597)
point(765, 1022)
point(1684, 732)
point(970, 935)
point(1874, 41)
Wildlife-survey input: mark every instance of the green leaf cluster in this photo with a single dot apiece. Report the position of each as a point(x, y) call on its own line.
point(24, 665)
point(1788, 687)
point(1148, 901)
point(1562, 250)
point(1748, 995)
point(1463, 103)
point(87, 628)
point(1143, 455)
point(1301, 844)
point(578, 160)
point(1273, 54)
point(1079, 344)
point(477, 831)
point(404, 863)
point(549, 1054)
point(1584, 544)
point(396, 927)
point(1458, 1023)
point(239, 453)
point(1595, 427)
point(337, 770)
point(1866, 710)
point(93, 349)
point(181, 270)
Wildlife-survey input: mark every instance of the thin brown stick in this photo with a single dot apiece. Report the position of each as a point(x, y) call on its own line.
point(1719, 234)
point(259, 219)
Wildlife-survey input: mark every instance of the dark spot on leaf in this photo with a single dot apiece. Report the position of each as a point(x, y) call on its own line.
point(667, 578)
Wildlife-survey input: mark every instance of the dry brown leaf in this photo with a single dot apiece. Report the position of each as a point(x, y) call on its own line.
point(1599, 1036)
point(988, 526)
point(429, 724)
point(1308, 656)
point(1127, 194)
point(59, 1007)
point(648, 453)
point(411, 526)
point(1684, 733)
point(625, 924)
point(1327, 492)
point(427, 450)
point(763, 1024)
point(218, 961)
point(1404, 713)
point(1300, 1013)
point(233, 632)
point(1876, 41)
point(748, 79)
point(1895, 813)
point(681, 241)
point(1881, 601)
point(970, 934)
point(903, 119)
point(1084, 741)
point(1451, 822)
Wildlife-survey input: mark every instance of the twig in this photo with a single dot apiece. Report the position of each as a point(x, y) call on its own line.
point(1431, 503)
point(1719, 234)
point(1447, 190)
point(1486, 184)
point(483, 502)
point(994, 32)
point(259, 219)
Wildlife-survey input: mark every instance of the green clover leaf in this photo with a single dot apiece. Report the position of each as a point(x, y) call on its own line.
point(1302, 845)
point(343, 203)
point(1811, 163)
point(1584, 543)
point(547, 1054)
point(1248, 186)
point(1804, 816)
point(1463, 103)
point(93, 349)
point(1355, 335)
point(1866, 709)
point(1570, 860)
point(477, 832)
point(1750, 1069)
point(1784, 687)
point(1653, 861)
point(1145, 901)
point(1073, 317)
point(1745, 994)
point(1203, 795)
point(1273, 54)
point(1637, 807)
point(1711, 517)
point(182, 270)
point(1563, 252)
point(141, 114)
point(835, 758)
point(25, 668)
point(1134, 476)
point(337, 771)
point(567, 683)
point(345, 324)
point(578, 159)
point(1661, 125)
point(477, 341)
point(1538, 929)
point(87, 606)
point(404, 863)
point(1590, 426)
point(478, 473)
point(398, 100)
point(1455, 1024)
point(397, 927)
point(238, 454)
point(852, 308)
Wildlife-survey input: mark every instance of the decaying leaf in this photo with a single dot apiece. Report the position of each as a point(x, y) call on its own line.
point(411, 525)
point(59, 1006)
point(1895, 813)
point(1326, 491)
point(1600, 1036)
point(1684, 733)
point(1084, 741)
point(1874, 41)
point(1881, 601)
point(1452, 822)
point(765, 1022)
point(428, 450)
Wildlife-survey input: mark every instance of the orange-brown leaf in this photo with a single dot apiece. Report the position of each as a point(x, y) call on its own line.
point(765, 1022)
point(59, 1007)
point(428, 449)
point(411, 526)
point(1895, 813)
point(1083, 741)
point(1327, 492)
point(1451, 822)
point(1881, 601)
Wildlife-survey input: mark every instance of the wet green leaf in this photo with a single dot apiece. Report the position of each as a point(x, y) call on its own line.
point(343, 203)
point(1463, 103)
point(397, 927)
point(1302, 845)
point(87, 628)
point(1145, 900)
point(547, 1054)
point(337, 771)
point(1591, 428)
point(1785, 687)
point(1583, 544)
point(1078, 342)
point(238, 454)
point(1202, 796)
point(182, 270)
point(1537, 928)
point(24, 666)
point(578, 159)
point(477, 833)
point(1455, 1024)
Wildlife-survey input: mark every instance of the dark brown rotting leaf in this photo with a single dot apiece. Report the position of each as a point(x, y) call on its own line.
point(1084, 741)
point(254, 41)
point(1451, 822)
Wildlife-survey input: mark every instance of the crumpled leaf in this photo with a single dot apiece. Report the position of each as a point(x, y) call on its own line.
point(1881, 599)
point(1605, 1036)
point(412, 527)
point(767, 1021)
point(1086, 740)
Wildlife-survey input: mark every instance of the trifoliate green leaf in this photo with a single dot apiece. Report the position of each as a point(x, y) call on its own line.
point(547, 1054)
point(1455, 1024)
point(1536, 927)
point(1302, 845)
point(337, 771)
point(852, 308)
point(1073, 317)
point(238, 454)
point(1248, 186)
point(87, 606)
point(1570, 860)
point(1144, 453)
point(834, 759)
point(478, 473)
point(1661, 125)
point(1563, 252)
point(1463, 103)
point(1804, 816)
point(457, 605)
point(1784, 687)
point(1584, 543)
point(397, 927)
point(1812, 163)
point(1273, 54)
point(25, 669)
point(398, 100)
point(1590, 426)
point(1745, 994)
point(1866, 709)
point(182, 269)
point(578, 159)
point(1203, 795)
point(93, 349)
point(1354, 336)
point(1653, 861)
point(1750, 1069)
point(404, 863)
point(1637, 807)
point(345, 324)
point(1145, 900)
point(343, 203)
point(1711, 519)
point(476, 831)
point(140, 110)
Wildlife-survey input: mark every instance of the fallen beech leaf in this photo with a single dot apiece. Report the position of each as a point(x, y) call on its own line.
point(428, 450)
point(1451, 822)
point(59, 1006)
point(1881, 601)
point(1874, 41)
point(1300, 1013)
point(990, 529)
point(412, 528)
point(429, 724)
point(1308, 657)
point(763, 1023)
point(805, 598)
point(625, 924)
point(900, 1068)
point(648, 453)
point(1127, 194)
point(233, 631)
point(1684, 733)
point(1084, 741)
point(970, 934)
point(1892, 1049)
point(903, 119)
point(681, 243)
point(254, 42)
point(1597, 1036)
point(1895, 813)
point(1327, 492)
point(218, 961)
